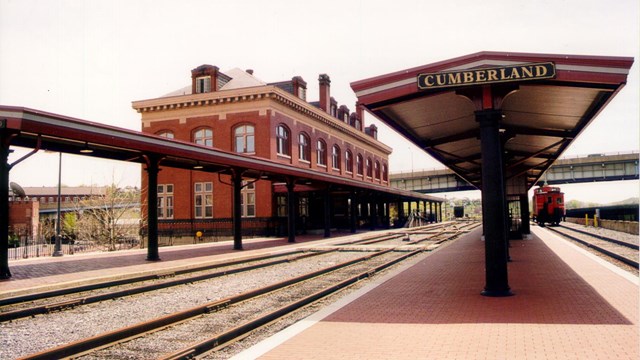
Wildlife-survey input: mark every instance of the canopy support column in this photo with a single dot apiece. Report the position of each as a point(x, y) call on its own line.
point(354, 211)
point(493, 204)
point(291, 210)
point(153, 167)
point(5, 140)
point(327, 212)
point(236, 179)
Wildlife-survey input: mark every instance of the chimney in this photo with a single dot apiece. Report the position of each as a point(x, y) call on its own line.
point(325, 93)
point(204, 78)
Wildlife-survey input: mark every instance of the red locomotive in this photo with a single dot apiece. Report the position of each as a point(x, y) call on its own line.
point(548, 205)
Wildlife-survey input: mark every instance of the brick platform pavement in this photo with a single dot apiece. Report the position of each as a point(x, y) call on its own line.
point(568, 304)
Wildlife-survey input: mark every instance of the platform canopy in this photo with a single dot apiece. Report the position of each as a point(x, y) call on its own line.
point(545, 100)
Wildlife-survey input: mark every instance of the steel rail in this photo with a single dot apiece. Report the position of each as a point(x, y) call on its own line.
point(111, 283)
point(221, 339)
point(613, 255)
point(67, 304)
point(604, 238)
point(103, 340)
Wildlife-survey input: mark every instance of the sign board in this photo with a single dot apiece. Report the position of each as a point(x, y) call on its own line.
point(481, 76)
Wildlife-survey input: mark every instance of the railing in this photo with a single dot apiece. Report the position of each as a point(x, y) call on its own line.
point(40, 250)
point(211, 230)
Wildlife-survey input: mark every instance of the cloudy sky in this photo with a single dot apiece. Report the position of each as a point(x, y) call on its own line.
point(90, 59)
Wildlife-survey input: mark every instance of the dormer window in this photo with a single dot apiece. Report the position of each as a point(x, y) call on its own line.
point(203, 84)
point(302, 93)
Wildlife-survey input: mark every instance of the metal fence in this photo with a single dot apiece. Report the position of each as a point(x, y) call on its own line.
point(41, 250)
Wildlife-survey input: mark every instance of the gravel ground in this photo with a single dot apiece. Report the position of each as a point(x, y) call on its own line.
point(178, 337)
point(26, 336)
point(616, 235)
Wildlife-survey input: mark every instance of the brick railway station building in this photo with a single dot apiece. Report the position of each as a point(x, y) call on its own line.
point(235, 111)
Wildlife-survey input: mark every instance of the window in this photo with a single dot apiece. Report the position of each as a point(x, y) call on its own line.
point(304, 148)
point(283, 142)
point(203, 200)
point(359, 165)
point(321, 153)
point(165, 201)
point(303, 206)
point(203, 84)
point(166, 133)
point(248, 199)
point(281, 205)
point(385, 173)
point(245, 139)
point(335, 157)
point(368, 166)
point(203, 136)
point(376, 169)
point(348, 161)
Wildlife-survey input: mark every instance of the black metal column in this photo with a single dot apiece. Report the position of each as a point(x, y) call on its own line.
point(432, 216)
point(236, 179)
point(291, 210)
point(400, 212)
point(493, 205)
point(153, 168)
point(5, 273)
point(353, 208)
point(327, 212)
point(524, 211)
point(373, 212)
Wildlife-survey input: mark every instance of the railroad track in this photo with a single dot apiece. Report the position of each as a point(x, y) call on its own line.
point(12, 308)
point(168, 332)
point(61, 306)
point(160, 282)
point(612, 248)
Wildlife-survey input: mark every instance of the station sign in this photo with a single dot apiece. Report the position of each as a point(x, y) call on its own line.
point(481, 76)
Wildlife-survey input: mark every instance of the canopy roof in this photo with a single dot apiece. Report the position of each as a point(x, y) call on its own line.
point(541, 117)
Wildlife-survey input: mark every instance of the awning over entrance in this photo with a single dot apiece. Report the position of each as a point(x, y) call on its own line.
point(544, 106)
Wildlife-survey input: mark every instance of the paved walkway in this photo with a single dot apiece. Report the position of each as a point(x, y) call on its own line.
point(568, 304)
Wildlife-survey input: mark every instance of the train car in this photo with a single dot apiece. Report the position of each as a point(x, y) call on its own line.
point(548, 205)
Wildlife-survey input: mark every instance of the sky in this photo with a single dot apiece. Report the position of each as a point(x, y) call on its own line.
point(91, 59)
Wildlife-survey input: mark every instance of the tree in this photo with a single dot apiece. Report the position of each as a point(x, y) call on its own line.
point(107, 219)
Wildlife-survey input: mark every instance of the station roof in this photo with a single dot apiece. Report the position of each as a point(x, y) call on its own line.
point(47, 131)
point(541, 117)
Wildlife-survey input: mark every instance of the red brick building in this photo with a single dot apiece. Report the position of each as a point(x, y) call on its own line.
point(237, 112)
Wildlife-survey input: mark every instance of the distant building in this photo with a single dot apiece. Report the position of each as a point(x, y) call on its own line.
point(41, 203)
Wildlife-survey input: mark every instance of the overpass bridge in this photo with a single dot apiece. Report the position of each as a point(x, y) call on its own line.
point(582, 169)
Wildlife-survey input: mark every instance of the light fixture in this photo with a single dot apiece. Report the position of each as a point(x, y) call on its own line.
point(86, 149)
point(197, 166)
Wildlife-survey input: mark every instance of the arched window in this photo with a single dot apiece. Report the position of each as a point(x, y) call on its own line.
point(203, 136)
point(321, 153)
point(376, 169)
point(304, 147)
point(244, 139)
point(359, 164)
point(368, 166)
point(166, 133)
point(283, 140)
point(385, 172)
point(348, 161)
point(335, 157)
